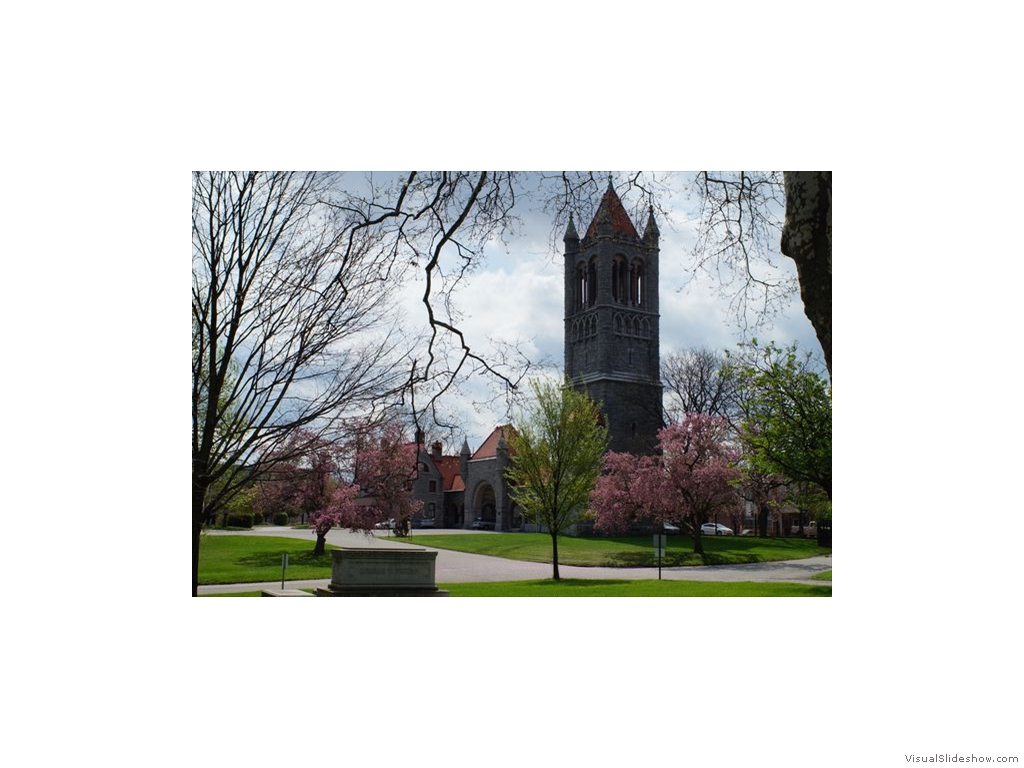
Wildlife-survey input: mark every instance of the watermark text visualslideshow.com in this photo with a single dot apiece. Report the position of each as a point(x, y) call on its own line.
point(955, 758)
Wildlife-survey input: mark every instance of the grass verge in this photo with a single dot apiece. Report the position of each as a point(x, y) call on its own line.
point(823, 576)
point(640, 588)
point(241, 559)
point(624, 551)
point(619, 588)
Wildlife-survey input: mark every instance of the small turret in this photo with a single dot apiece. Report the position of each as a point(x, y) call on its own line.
point(464, 460)
point(651, 233)
point(571, 238)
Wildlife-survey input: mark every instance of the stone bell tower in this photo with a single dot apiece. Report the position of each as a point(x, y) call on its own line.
point(611, 322)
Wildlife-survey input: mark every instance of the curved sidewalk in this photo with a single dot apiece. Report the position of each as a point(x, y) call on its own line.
point(457, 567)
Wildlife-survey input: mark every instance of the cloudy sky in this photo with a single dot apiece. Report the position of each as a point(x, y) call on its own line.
point(516, 298)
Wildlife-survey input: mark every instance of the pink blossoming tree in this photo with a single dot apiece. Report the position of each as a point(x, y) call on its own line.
point(385, 469)
point(339, 510)
point(301, 477)
point(619, 496)
point(311, 483)
point(691, 477)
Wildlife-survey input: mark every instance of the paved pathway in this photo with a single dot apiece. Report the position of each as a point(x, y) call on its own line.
point(453, 567)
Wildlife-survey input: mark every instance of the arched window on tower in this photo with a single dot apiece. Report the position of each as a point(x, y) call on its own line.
point(620, 280)
point(637, 282)
point(580, 293)
point(592, 282)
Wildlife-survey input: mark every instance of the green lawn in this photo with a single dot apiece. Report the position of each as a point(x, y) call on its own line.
point(642, 588)
point(239, 559)
point(824, 576)
point(617, 588)
point(624, 551)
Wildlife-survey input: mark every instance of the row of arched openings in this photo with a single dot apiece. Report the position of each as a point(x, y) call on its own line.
point(632, 325)
point(584, 327)
point(628, 282)
point(585, 292)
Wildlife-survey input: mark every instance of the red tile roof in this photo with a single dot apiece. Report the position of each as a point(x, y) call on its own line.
point(448, 466)
point(489, 448)
point(611, 211)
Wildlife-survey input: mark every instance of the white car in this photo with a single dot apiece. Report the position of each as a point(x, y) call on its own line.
point(384, 525)
point(715, 529)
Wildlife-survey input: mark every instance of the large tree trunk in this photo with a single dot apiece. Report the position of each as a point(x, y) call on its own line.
point(807, 239)
point(554, 557)
point(198, 517)
point(762, 516)
point(698, 541)
point(321, 544)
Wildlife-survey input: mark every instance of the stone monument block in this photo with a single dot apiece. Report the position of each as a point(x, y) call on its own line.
point(382, 572)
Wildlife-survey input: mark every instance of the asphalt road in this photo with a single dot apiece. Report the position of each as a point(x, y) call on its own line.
point(453, 567)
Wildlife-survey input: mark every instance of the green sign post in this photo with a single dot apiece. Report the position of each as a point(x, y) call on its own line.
point(659, 550)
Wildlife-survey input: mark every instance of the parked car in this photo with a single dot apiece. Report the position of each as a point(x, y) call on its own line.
point(483, 525)
point(385, 525)
point(426, 522)
point(715, 529)
point(669, 528)
point(810, 530)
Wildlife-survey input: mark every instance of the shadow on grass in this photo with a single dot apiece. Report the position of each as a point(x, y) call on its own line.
point(270, 559)
point(629, 588)
point(551, 584)
point(675, 559)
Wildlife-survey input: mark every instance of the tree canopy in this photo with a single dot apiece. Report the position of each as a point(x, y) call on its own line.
point(556, 454)
point(690, 477)
point(697, 381)
point(786, 410)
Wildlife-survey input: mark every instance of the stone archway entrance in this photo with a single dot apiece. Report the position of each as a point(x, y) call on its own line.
point(485, 503)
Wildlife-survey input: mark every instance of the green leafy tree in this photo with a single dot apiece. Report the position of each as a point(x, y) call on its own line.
point(811, 504)
point(787, 414)
point(556, 455)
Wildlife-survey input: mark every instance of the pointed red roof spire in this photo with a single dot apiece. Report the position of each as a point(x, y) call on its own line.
point(611, 218)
